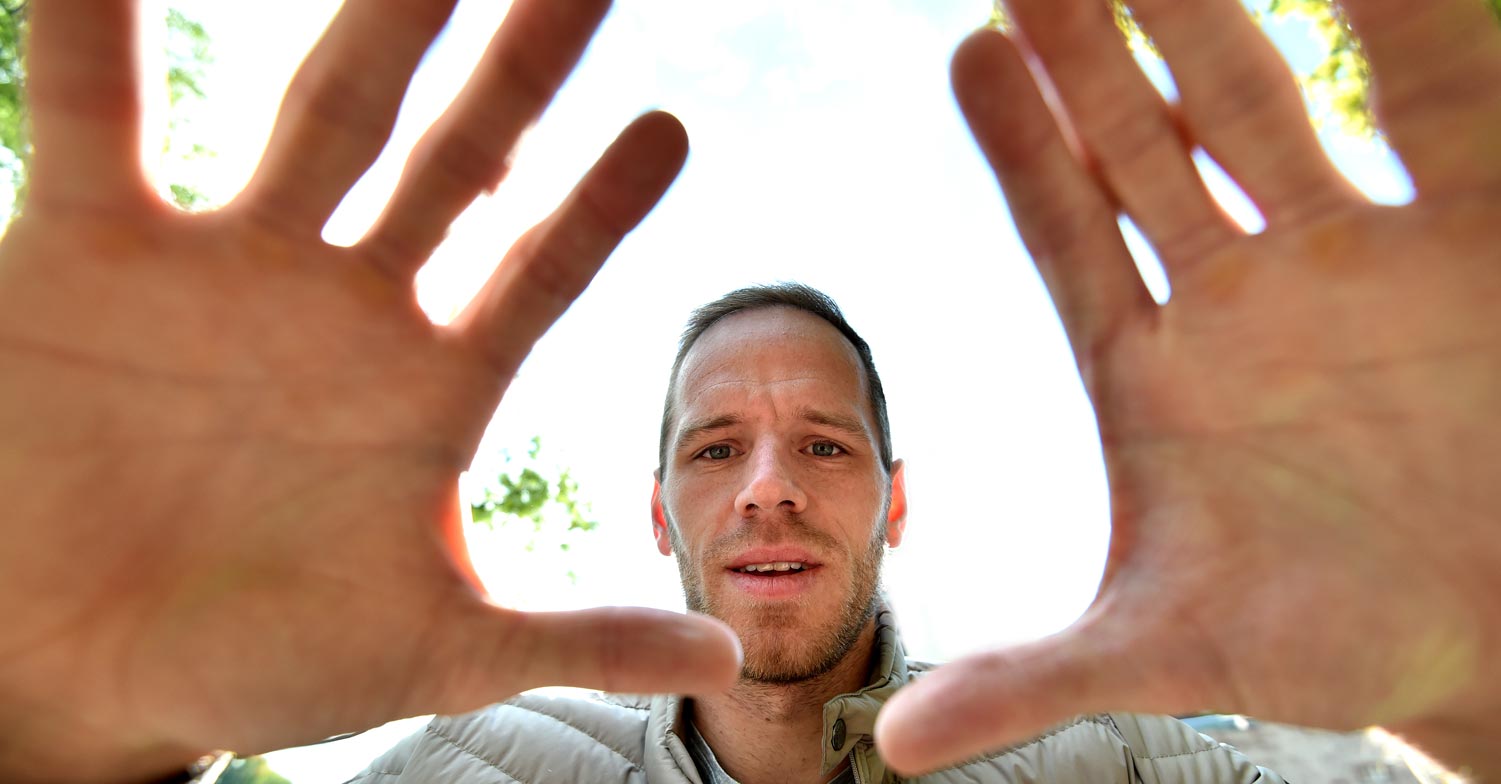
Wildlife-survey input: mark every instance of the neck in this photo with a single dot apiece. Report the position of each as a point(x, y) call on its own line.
point(773, 732)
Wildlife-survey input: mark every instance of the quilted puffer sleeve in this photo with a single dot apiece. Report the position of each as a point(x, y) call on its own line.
point(530, 739)
point(1167, 751)
point(388, 767)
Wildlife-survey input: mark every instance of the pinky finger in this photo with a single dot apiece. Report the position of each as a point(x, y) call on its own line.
point(552, 263)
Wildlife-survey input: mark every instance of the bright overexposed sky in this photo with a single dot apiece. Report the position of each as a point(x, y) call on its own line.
point(827, 148)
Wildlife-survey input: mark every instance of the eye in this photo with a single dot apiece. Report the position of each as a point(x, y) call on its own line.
point(718, 452)
point(825, 449)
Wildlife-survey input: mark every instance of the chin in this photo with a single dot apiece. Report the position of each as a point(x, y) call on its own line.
point(785, 645)
point(780, 662)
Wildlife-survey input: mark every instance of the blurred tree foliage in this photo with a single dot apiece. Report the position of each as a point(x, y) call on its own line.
point(522, 492)
point(1339, 86)
point(15, 147)
point(527, 495)
point(251, 771)
point(187, 55)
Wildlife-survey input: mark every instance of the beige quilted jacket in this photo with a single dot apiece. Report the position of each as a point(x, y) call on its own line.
point(610, 739)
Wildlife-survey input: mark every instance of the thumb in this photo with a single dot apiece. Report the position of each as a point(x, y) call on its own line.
point(988, 701)
point(502, 652)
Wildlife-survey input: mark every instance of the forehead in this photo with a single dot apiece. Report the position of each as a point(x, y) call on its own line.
point(776, 347)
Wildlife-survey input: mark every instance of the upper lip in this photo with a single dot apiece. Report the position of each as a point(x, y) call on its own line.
point(765, 555)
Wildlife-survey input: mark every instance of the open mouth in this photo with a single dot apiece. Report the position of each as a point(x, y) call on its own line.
point(773, 569)
point(774, 573)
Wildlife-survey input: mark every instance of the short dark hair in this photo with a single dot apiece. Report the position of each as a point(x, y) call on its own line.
point(785, 295)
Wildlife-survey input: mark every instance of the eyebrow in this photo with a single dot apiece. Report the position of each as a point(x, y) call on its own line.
point(845, 424)
point(694, 430)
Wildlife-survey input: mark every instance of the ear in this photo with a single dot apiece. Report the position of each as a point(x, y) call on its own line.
point(896, 513)
point(658, 516)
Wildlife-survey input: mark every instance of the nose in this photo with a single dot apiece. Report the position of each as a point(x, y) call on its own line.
point(770, 485)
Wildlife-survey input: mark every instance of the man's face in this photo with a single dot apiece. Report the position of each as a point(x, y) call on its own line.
point(775, 500)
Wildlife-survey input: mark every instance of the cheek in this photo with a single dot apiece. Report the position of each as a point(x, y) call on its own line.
point(702, 495)
point(855, 502)
point(693, 505)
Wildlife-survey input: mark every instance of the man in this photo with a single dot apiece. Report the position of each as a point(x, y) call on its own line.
point(1302, 445)
point(777, 492)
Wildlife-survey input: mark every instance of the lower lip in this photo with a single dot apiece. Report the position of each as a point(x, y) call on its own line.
point(783, 586)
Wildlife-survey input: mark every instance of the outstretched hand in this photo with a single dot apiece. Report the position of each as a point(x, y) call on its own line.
point(1303, 444)
point(229, 451)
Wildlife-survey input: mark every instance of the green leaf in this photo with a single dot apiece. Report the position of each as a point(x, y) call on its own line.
point(253, 770)
point(187, 198)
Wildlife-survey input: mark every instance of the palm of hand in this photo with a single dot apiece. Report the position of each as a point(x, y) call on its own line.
point(1298, 420)
point(301, 406)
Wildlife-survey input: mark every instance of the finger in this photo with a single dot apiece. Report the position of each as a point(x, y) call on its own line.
point(1242, 104)
point(466, 151)
point(496, 653)
point(631, 650)
point(84, 90)
point(992, 700)
point(1124, 127)
point(340, 109)
point(1065, 219)
point(1436, 83)
point(550, 266)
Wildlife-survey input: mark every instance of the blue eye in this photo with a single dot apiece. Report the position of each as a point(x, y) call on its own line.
point(717, 452)
point(825, 449)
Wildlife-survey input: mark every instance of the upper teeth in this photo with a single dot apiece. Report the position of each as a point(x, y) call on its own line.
point(777, 566)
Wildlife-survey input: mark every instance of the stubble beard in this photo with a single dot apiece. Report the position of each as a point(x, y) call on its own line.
point(772, 655)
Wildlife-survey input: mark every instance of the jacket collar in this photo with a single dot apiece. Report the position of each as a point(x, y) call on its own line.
point(849, 720)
